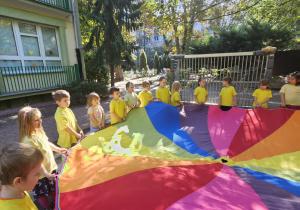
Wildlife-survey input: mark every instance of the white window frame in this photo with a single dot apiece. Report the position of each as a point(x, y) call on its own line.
point(17, 36)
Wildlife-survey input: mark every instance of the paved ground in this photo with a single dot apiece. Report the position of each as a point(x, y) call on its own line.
point(9, 127)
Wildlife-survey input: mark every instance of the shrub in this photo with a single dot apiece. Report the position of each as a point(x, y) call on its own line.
point(79, 90)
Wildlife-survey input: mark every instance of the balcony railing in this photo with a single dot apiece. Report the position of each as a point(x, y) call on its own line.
point(17, 79)
point(62, 4)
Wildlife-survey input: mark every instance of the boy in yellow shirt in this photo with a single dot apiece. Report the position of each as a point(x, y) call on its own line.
point(66, 122)
point(117, 106)
point(145, 96)
point(163, 93)
point(262, 95)
point(20, 166)
point(226, 95)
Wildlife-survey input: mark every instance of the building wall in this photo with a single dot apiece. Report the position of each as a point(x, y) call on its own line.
point(63, 22)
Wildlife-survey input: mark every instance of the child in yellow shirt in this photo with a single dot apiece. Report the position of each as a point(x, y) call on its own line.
point(66, 122)
point(262, 95)
point(118, 111)
point(226, 95)
point(145, 96)
point(162, 93)
point(20, 166)
point(175, 98)
point(200, 94)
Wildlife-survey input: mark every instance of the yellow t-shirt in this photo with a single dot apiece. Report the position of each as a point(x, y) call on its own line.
point(227, 94)
point(145, 98)
point(175, 97)
point(40, 141)
point(201, 93)
point(118, 107)
point(131, 99)
point(98, 114)
point(17, 204)
point(163, 94)
point(262, 95)
point(292, 94)
point(65, 118)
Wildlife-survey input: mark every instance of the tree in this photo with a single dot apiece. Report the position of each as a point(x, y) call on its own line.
point(160, 64)
point(143, 60)
point(165, 61)
point(156, 62)
point(109, 18)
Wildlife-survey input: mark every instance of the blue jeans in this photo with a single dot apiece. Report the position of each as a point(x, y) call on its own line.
point(94, 129)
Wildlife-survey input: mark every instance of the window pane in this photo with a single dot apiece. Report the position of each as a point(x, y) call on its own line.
point(27, 28)
point(33, 63)
point(9, 63)
point(53, 63)
point(7, 40)
point(50, 42)
point(30, 46)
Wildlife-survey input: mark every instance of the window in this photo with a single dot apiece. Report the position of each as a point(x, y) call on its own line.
point(27, 44)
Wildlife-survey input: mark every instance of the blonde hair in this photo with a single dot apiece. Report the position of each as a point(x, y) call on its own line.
point(145, 83)
point(175, 86)
point(16, 160)
point(25, 116)
point(90, 97)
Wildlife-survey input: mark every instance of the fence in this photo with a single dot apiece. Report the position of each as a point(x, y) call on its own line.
point(16, 79)
point(245, 69)
point(63, 4)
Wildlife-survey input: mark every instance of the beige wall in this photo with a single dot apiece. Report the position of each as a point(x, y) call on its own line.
point(71, 43)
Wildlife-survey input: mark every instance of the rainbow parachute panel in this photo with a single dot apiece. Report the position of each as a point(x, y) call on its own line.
point(190, 157)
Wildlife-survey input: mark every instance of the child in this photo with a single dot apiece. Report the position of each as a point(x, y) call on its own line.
point(290, 93)
point(32, 133)
point(66, 122)
point(175, 98)
point(96, 113)
point(145, 96)
point(20, 166)
point(117, 106)
point(201, 94)
point(131, 99)
point(262, 95)
point(226, 94)
point(162, 93)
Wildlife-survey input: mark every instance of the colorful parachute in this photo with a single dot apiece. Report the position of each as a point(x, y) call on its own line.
point(191, 157)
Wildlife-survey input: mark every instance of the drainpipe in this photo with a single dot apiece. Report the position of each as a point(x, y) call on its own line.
point(79, 52)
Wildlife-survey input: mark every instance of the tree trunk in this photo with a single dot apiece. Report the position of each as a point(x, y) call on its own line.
point(176, 39)
point(112, 75)
point(119, 74)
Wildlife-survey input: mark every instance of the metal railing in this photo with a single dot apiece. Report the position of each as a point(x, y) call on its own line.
point(245, 69)
point(16, 79)
point(63, 4)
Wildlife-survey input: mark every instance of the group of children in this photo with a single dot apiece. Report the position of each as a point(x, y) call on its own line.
point(30, 164)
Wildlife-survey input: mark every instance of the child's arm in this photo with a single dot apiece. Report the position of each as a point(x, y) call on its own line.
point(58, 149)
point(255, 101)
point(234, 99)
point(178, 101)
point(220, 99)
point(103, 118)
point(170, 100)
point(197, 101)
point(282, 97)
point(72, 132)
point(138, 103)
point(46, 174)
point(94, 120)
point(129, 105)
point(116, 116)
point(125, 114)
point(80, 130)
point(264, 101)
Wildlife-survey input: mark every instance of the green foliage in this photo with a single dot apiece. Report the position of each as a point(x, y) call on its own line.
point(165, 61)
point(160, 64)
point(80, 90)
point(96, 69)
point(143, 60)
point(251, 37)
point(156, 62)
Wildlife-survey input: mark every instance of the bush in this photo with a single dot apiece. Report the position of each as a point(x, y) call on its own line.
point(79, 91)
